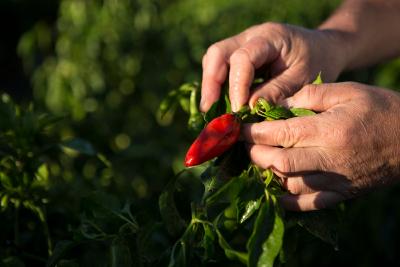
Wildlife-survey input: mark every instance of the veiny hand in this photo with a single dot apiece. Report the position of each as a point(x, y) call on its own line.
point(290, 56)
point(349, 148)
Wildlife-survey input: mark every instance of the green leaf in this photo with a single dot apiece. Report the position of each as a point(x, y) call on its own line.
point(278, 112)
point(250, 208)
point(272, 246)
point(168, 210)
point(266, 239)
point(318, 80)
point(262, 228)
point(228, 192)
point(208, 241)
point(229, 251)
point(264, 105)
point(178, 255)
point(268, 175)
point(107, 207)
point(79, 145)
point(228, 107)
point(301, 112)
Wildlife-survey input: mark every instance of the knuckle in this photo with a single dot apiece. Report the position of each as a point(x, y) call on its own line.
point(256, 134)
point(310, 90)
point(284, 135)
point(294, 186)
point(284, 164)
point(342, 136)
point(278, 90)
point(275, 26)
point(214, 50)
point(240, 55)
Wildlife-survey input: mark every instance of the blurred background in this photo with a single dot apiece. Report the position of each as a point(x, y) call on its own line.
point(105, 65)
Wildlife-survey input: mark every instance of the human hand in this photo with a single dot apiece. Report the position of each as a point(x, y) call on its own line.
point(349, 148)
point(290, 56)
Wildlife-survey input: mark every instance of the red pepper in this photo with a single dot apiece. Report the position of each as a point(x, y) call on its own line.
point(217, 137)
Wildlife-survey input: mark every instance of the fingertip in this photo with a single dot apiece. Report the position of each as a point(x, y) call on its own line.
point(204, 107)
point(308, 202)
point(289, 202)
point(287, 102)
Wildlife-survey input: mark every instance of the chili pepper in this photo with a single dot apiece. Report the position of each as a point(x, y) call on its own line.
point(217, 137)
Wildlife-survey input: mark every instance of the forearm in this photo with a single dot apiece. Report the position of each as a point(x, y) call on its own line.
point(368, 30)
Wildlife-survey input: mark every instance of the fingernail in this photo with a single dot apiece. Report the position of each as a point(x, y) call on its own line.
point(287, 103)
point(234, 106)
point(203, 104)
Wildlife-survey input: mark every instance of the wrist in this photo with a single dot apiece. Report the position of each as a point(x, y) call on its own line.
point(340, 49)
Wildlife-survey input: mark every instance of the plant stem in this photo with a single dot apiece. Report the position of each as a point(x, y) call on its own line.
point(42, 217)
point(16, 227)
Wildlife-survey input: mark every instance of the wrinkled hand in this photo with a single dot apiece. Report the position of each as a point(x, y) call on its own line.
point(349, 148)
point(289, 56)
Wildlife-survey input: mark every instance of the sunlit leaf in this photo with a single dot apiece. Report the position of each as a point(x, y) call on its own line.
point(301, 112)
point(79, 145)
point(318, 80)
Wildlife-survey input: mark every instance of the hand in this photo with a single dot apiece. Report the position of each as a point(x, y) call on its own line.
point(291, 57)
point(351, 147)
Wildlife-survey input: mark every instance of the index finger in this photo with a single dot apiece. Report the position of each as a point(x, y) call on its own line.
point(294, 132)
point(215, 70)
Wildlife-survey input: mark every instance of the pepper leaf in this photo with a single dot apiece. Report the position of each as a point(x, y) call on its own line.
point(250, 208)
point(229, 251)
point(228, 192)
point(208, 241)
point(279, 112)
point(272, 246)
point(318, 80)
point(266, 240)
point(301, 112)
point(262, 228)
point(169, 212)
point(178, 255)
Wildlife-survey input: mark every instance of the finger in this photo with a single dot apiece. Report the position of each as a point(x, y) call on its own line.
point(314, 182)
point(306, 184)
point(215, 70)
point(294, 132)
point(320, 97)
point(313, 201)
point(288, 160)
point(243, 63)
point(278, 88)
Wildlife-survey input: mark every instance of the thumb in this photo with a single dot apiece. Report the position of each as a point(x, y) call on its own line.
point(319, 97)
point(276, 89)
